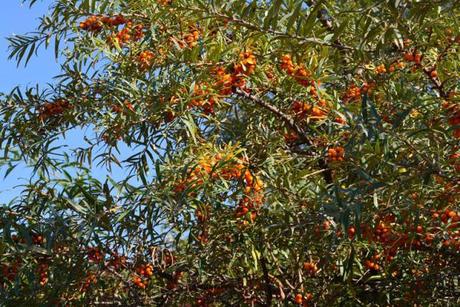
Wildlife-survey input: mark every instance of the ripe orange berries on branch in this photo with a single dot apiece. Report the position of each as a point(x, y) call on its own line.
point(96, 23)
point(299, 298)
point(303, 110)
point(336, 154)
point(381, 69)
point(51, 109)
point(164, 2)
point(139, 282)
point(298, 72)
point(229, 79)
point(145, 270)
point(302, 300)
point(126, 35)
point(191, 38)
point(247, 64)
point(204, 98)
point(352, 94)
point(310, 267)
point(145, 60)
point(341, 194)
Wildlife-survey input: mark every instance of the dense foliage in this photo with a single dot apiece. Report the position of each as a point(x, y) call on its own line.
point(275, 152)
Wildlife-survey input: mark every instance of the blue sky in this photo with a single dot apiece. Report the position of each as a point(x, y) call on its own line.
point(17, 18)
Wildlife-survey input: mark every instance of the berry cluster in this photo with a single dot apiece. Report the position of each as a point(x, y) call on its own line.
point(204, 98)
point(381, 69)
point(336, 154)
point(253, 198)
point(247, 64)
point(303, 299)
point(372, 264)
point(189, 39)
point(89, 280)
point(310, 267)
point(413, 56)
point(303, 110)
point(145, 271)
point(232, 168)
point(397, 65)
point(353, 93)
point(137, 281)
point(145, 60)
point(298, 72)
point(95, 255)
point(96, 23)
point(43, 273)
point(206, 94)
point(10, 271)
point(228, 80)
point(51, 109)
point(454, 118)
point(391, 236)
point(127, 34)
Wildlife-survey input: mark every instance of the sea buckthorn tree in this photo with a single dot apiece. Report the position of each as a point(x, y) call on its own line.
point(277, 152)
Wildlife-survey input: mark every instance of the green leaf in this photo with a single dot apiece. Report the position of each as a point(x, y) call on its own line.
point(294, 17)
point(76, 207)
point(307, 26)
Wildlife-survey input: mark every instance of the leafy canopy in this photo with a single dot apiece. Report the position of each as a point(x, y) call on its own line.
point(273, 153)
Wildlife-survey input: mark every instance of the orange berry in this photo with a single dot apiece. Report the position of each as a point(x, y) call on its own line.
point(444, 218)
point(299, 298)
point(408, 57)
point(401, 65)
point(380, 69)
point(351, 231)
point(340, 120)
point(331, 152)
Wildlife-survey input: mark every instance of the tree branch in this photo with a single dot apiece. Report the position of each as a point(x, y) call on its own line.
point(268, 289)
point(290, 122)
